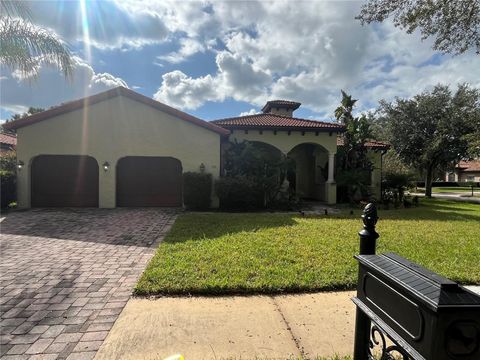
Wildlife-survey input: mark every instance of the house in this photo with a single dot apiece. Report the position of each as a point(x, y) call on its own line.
point(465, 171)
point(120, 148)
point(8, 142)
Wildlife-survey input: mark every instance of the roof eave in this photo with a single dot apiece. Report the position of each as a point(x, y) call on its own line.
point(283, 128)
point(93, 99)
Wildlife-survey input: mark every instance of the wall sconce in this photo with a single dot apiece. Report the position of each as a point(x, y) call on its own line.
point(106, 165)
point(20, 165)
point(202, 167)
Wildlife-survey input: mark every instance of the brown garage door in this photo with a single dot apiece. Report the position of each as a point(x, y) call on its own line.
point(149, 181)
point(64, 181)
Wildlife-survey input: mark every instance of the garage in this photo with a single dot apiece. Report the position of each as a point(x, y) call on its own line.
point(139, 150)
point(149, 181)
point(64, 181)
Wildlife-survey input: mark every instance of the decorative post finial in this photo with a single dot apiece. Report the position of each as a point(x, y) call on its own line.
point(368, 235)
point(370, 216)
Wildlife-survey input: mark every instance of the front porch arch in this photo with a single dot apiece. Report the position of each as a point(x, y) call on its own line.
point(313, 177)
point(285, 141)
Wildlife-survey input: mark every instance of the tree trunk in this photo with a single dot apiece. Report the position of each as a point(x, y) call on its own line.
point(428, 182)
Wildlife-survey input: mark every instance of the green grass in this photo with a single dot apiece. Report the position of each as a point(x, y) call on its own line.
point(224, 253)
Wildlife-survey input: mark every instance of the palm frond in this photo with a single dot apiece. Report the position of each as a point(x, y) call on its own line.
point(15, 9)
point(23, 46)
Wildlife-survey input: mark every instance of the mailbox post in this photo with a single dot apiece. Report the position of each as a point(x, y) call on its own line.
point(368, 243)
point(404, 309)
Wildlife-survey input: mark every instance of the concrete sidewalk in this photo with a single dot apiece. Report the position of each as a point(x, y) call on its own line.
point(273, 327)
point(460, 197)
point(239, 327)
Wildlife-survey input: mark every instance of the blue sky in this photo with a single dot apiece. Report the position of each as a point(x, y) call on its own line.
point(220, 59)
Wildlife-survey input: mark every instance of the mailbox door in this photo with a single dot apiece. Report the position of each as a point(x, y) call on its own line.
point(458, 334)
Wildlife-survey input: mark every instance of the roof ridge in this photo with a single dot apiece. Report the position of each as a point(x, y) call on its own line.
point(108, 94)
point(276, 115)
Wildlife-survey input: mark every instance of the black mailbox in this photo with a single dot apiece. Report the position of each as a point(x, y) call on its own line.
point(428, 316)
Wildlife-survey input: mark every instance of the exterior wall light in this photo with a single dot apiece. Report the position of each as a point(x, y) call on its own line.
point(20, 165)
point(202, 167)
point(106, 165)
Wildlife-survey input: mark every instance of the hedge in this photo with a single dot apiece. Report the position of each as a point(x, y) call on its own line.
point(197, 190)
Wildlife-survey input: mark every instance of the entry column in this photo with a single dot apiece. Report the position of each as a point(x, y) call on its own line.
point(331, 185)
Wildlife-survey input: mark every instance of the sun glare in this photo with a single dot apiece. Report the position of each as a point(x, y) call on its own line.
point(85, 30)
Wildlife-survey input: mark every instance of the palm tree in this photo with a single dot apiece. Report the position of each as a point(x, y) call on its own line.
point(23, 45)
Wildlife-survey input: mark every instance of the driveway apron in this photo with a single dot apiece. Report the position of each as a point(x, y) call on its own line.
point(66, 275)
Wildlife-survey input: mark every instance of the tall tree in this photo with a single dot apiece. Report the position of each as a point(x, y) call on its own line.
point(31, 110)
point(454, 25)
point(352, 162)
point(431, 129)
point(23, 45)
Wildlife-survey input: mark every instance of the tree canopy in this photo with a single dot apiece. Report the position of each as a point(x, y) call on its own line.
point(431, 130)
point(454, 25)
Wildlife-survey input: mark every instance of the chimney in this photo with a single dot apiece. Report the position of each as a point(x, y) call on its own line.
point(281, 107)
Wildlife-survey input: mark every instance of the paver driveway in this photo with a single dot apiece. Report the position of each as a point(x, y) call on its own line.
point(65, 276)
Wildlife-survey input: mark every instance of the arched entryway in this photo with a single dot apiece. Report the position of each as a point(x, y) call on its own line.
point(309, 173)
point(64, 181)
point(149, 181)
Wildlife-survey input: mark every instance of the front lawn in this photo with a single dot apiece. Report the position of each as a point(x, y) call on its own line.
point(220, 253)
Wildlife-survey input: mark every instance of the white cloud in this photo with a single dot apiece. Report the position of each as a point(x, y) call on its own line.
point(307, 51)
point(249, 112)
point(51, 88)
point(188, 47)
point(103, 24)
point(180, 90)
point(301, 50)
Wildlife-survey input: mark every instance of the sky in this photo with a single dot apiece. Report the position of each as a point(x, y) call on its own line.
point(216, 59)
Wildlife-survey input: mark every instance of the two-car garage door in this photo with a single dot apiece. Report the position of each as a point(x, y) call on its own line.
point(149, 181)
point(64, 181)
point(73, 181)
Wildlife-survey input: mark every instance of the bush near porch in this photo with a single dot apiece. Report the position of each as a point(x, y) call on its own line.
point(221, 253)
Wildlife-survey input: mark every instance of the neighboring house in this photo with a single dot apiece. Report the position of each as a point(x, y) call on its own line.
point(8, 142)
point(120, 148)
point(465, 171)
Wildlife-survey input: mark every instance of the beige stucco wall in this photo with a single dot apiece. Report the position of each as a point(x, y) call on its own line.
point(285, 142)
point(110, 130)
point(468, 176)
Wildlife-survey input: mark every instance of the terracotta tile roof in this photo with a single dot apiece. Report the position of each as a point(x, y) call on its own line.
point(277, 122)
point(374, 144)
point(281, 103)
point(469, 166)
point(78, 104)
point(8, 139)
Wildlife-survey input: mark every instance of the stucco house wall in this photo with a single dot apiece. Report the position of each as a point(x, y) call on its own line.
point(285, 142)
point(112, 129)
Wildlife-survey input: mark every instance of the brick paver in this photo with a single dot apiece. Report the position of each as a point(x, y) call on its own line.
point(65, 276)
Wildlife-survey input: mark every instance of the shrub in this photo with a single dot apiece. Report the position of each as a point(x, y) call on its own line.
point(197, 190)
point(8, 178)
point(394, 186)
point(238, 193)
point(8, 188)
